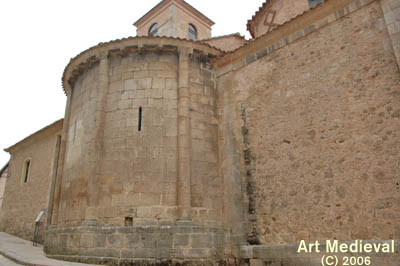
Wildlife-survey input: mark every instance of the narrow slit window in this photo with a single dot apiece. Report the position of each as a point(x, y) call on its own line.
point(27, 165)
point(140, 119)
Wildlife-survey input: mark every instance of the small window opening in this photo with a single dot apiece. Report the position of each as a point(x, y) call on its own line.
point(27, 165)
point(128, 221)
point(153, 31)
point(140, 119)
point(192, 32)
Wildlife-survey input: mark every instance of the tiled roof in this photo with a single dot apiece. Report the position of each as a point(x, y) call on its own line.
point(255, 16)
point(237, 34)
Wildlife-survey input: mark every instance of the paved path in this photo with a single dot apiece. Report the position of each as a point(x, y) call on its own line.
point(6, 262)
point(23, 252)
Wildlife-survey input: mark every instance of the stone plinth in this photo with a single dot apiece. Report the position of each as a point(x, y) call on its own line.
point(138, 244)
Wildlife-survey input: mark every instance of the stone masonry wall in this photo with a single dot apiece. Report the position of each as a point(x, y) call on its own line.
point(80, 136)
point(23, 201)
point(139, 171)
point(136, 177)
point(320, 124)
point(206, 184)
point(141, 163)
point(3, 180)
point(150, 245)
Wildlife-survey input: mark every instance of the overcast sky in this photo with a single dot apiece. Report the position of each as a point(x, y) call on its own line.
point(39, 37)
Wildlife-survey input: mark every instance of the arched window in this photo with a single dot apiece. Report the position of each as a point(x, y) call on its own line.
point(153, 30)
point(192, 32)
point(25, 170)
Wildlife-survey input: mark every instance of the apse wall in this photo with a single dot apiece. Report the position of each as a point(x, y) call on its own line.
point(140, 178)
point(206, 185)
point(81, 134)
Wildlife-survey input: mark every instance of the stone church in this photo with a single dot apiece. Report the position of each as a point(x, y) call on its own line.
point(179, 148)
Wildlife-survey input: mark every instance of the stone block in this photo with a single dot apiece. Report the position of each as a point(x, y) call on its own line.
point(149, 240)
point(86, 241)
point(145, 83)
point(132, 240)
point(130, 84)
point(144, 212)
point(127, 75)
point(114, 240)
point(163, 253)
point(201, 240)
point(157, 117)
point(181, 240)
point(141, 74)
point(155, 103)
point(63, 241)
point(171, 127)
point(116, 86)
point(128, 253)
point(197, 253)
point(165, 241)
point(145, 253)
point(157, 93)
point(100, 240)
point(74, 240)
point(149, 199)
point(170, 94)
point(171, 84)
point(103, 252)
point(158, 83)
point(136, 103)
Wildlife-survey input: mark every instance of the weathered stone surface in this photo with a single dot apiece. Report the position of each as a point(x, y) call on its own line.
point(18, 213)
point(170, 155)
point(319, 141)
point(3, 175)
point(136, 242)
point(272, 15)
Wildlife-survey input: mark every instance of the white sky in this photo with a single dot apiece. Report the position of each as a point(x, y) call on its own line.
point(39, 37)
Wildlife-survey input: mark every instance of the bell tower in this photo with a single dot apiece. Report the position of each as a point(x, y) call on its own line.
point(174, 18)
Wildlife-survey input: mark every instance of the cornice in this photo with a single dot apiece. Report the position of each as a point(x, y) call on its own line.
point(92, 56)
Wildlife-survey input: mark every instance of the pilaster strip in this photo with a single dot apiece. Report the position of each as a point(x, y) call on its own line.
point(61, 160)
point(97, 145)
point(184, 137)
